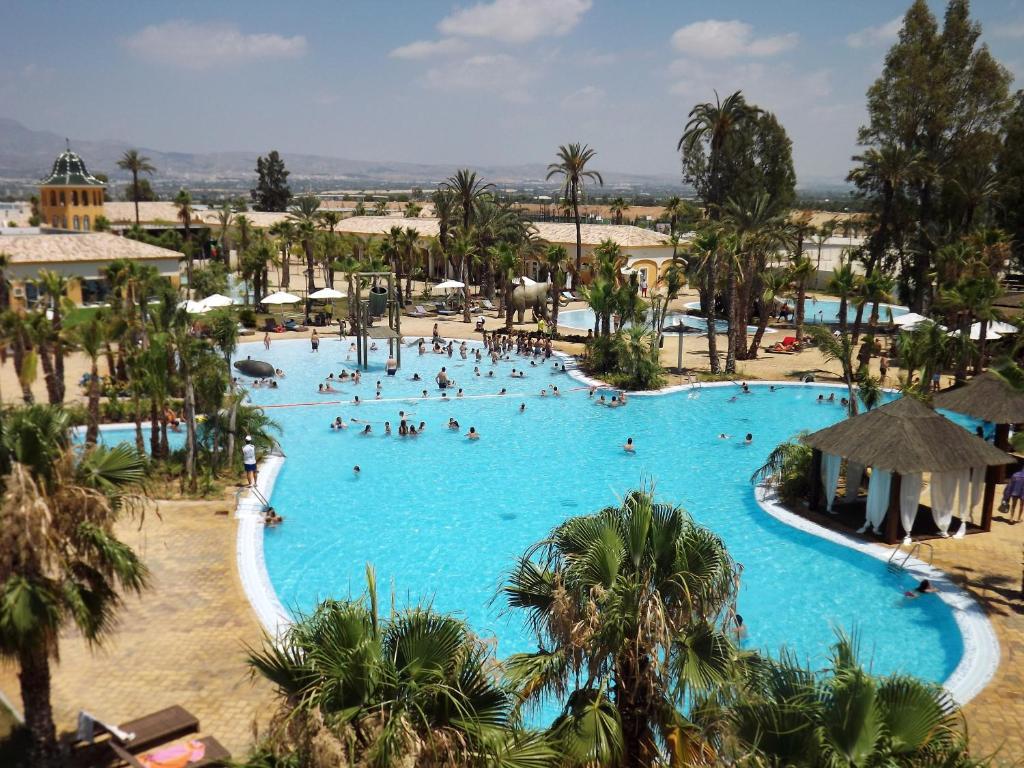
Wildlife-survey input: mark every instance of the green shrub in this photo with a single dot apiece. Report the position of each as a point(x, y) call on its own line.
point(787, 470)
point(247, 317)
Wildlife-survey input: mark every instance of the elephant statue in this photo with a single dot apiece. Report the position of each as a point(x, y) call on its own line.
point(534, 296)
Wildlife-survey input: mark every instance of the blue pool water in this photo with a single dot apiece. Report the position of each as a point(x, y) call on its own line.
point(827, 311)
point(583, 319)
point(175, 440)
point(442, 518)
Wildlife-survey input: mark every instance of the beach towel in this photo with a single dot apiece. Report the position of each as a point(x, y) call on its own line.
point(175, 756)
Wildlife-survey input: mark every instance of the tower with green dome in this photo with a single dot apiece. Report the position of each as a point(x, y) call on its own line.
point(70, 197)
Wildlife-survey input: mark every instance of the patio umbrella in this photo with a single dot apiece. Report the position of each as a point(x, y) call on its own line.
point(975, 334)
point(908, 320)
point(1003, 329)
point(194, 307)
point(280, 297)
point(217, 300)
point(681, 329)
point(524, 280)
point(449, 285)
point(327, 293)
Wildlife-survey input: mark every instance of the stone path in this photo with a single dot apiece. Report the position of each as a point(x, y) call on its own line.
point(183, 642)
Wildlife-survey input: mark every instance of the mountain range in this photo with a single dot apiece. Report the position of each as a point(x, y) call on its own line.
point(27, 155)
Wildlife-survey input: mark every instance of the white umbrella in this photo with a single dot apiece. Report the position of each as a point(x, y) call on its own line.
point(194, 307)
point(975, 335)
point(1003, 329)
point(909, 319)
point(524, 280)
point(449, 285)
point(327, 293)
point(281, 298)
point(218, 300)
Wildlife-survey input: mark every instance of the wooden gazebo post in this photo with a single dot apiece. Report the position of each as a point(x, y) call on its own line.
point(1002, 442)
point(814, 482)
point(892, 527)
point(992, 476)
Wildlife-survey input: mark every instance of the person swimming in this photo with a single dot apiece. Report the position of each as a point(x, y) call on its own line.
point(356, 400)
point(740, 629)
point(924, 588)
point(723, 436)
point(748, 439)
point(831, 398)
point(356, 470)
point(473, 434)
point(387, 428)
point(452, 423)
point(821, 398)
point(459, 393)
point(629, 447)
point(339, 423)
point(415, 377)
point(367, 430)
point(555, 392)
point(503, 391)
point(522, 407)
point(543, 393)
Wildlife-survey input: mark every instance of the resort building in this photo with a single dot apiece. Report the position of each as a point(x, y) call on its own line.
point(70, 197)
point(81, 256)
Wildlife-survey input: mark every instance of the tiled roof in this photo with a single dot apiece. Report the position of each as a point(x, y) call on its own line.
point(95, 246)
point(69, 171)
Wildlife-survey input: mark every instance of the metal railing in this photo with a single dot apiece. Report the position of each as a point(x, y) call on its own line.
point(914, 551)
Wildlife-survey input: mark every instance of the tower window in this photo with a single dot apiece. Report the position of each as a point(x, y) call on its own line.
point(75, 223)
point(53, 198)
point(85, 223)
point(74, 197)
point(62, 198)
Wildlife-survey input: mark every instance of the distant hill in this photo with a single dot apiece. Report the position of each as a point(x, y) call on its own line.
point(27, 155)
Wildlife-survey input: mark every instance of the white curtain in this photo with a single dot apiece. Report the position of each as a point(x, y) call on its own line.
point(854, 474)
point(878, 499)
point(830, 476)
point(943, 497)
point(970, 499)
point(910, 497)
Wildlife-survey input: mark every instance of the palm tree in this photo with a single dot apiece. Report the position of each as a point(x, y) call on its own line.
point(91, 336)
point(801, 269)
point(715, 124)
point(468, 194)
point(380, 208)
point(224, 331)
point(413, 687)
point(285, 232)
point(135, 164)
point(706, 248)
point(183, 200)
point(61, 564)
point(412, 210)
point(572, 167)
point(360, 209)
point(507, 259)
point(773, 283)
point(838, 348)
point(464, 248)
point(627, 605)
point(225, 217)
point(617, 207)
point(15, 331)
point(802, 717)
point(556, 260)
point(843, 284)
point(304, 214)
point(786, 470)
point(329, 220)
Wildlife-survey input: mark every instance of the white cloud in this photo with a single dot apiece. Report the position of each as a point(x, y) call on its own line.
point(773, 88)
point(883, 34)
point(424, 49)
point(515, 21)
point(498, 74)
point(714, 39)
point(188, 45)
point(586, 98)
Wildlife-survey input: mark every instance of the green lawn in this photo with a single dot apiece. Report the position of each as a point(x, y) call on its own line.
point(78, 315)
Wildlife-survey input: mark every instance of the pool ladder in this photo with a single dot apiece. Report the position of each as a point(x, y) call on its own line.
point(914, 551)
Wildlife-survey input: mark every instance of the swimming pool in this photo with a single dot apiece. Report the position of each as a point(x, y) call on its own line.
point(442, 518)
point(583, 319)
point(827, 310)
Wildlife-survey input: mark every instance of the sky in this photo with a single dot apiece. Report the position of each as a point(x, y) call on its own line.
point(490, 82)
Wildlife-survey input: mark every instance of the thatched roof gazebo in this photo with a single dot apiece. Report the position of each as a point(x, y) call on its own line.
point(989, 397)
point(900, 442)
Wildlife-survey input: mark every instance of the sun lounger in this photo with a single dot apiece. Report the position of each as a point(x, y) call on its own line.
point(486, 304)
point(419, 311)
point(214, 754)
point(447, 311)
point(135, 735)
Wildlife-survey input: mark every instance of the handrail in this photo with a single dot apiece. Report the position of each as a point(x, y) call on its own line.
point(914, 550)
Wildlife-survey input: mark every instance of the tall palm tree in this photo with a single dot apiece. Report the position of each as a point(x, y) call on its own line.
point(464, 248)
point(412, 210)
point(507, 259)
point(715, 124)
point(556, 259)
point(572, 167)
point(707, 247)
point(183, 201)
point(135, 164)
point(15, 330)
point(801, 270)
point(304, 214)
point(838, 348)
point(627, 605)
point(90, 336)
point(224, 331)
point(773, 283)
point(411, 687)
point(380, 208)
point(468, 194)
point(61, 564)
point(285, 232)
point(225, 218)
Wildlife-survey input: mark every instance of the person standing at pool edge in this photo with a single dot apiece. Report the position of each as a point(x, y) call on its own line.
point(314, 341)
point(249, 461)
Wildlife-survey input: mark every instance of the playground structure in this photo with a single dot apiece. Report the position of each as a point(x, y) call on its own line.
point(379, 302)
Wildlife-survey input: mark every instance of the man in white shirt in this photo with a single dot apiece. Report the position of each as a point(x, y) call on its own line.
point(249, 460)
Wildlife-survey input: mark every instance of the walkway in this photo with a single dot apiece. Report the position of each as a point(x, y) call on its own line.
point(183, 642)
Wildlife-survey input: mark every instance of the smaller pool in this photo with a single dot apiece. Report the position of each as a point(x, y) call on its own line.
point(827, 311)
point(583, 319)
point(117, 434)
